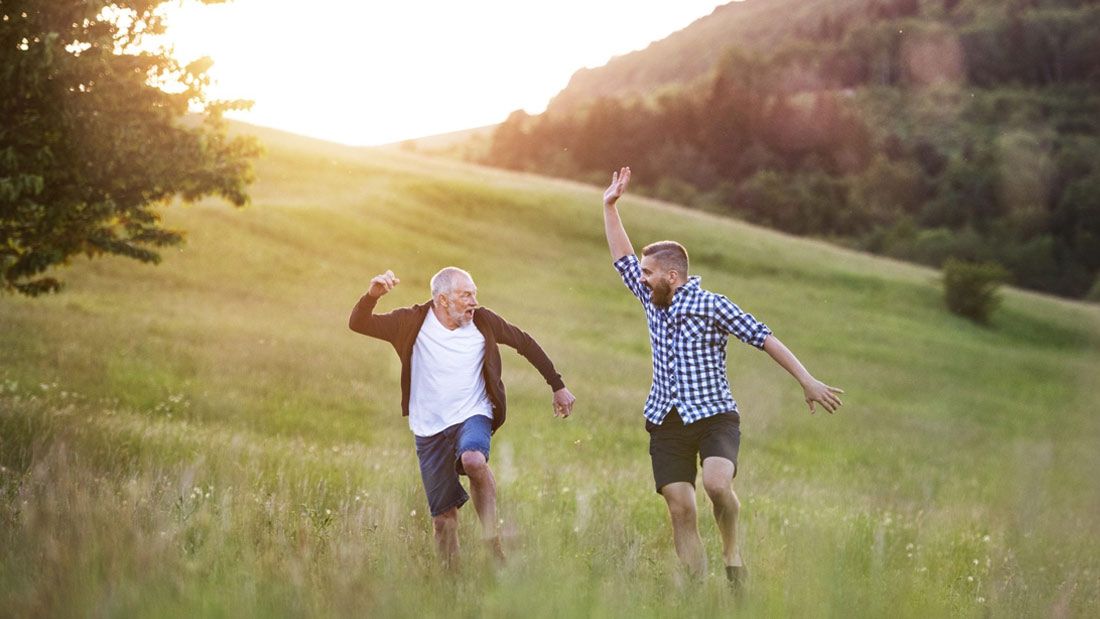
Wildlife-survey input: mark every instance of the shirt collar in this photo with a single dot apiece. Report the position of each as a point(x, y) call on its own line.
point(688, 290)
point(691, 287)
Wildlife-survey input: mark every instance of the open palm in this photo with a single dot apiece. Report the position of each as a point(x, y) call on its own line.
point(619, 181)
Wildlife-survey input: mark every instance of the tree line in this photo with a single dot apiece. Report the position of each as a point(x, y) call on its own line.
point(923, 131)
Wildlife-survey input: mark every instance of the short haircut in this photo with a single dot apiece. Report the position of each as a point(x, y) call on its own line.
point(670, 254)
point(444, 281)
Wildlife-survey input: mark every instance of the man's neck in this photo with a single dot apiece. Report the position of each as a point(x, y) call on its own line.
point(443, 318)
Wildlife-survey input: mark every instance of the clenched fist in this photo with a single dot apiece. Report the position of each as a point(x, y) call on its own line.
point(381, 284)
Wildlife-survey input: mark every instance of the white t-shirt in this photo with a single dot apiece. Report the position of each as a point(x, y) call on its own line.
point(447, 386)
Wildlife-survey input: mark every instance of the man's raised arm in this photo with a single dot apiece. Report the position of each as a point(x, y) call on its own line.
point(617, 240)
point(364, 320)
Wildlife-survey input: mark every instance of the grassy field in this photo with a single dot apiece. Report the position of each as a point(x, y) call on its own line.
point(207, 437)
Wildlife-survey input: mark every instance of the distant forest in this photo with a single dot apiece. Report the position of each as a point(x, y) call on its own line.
point(918, 130)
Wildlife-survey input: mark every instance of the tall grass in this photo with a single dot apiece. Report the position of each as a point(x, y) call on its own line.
point(207, 437)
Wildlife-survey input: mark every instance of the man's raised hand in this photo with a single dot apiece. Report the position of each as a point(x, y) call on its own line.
point(619, 181)
point(381, 284)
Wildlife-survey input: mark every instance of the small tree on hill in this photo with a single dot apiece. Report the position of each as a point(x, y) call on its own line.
point(971, 289)
point(101, 126)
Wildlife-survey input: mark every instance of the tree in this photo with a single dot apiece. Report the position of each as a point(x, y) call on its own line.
point(971, 289)
point(102, 126)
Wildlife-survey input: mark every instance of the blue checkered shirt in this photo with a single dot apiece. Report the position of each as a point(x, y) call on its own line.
point(689, 346)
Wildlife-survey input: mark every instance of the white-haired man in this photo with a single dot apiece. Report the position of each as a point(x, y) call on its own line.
point(452, 392)
point(690, 413)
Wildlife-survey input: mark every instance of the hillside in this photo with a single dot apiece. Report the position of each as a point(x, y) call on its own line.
point(207, 437)
point(464, 145)
point(692, 52)
point(924, 131)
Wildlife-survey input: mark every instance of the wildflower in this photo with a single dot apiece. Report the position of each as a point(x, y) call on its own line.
point(981, 600)
point(412, 513)
point(985, 539)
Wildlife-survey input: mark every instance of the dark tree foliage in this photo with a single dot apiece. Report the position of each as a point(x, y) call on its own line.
point(100, 127)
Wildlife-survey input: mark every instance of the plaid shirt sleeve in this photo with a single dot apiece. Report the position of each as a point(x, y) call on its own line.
point(740, 324)
point(631, 271)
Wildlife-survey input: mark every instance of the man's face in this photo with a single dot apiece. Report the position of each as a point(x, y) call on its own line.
point(658, 280)
point(460, 304)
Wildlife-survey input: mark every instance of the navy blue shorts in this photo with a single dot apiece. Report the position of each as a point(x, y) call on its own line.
point(440, 458)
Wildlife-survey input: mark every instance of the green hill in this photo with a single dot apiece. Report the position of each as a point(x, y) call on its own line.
point(207, 437)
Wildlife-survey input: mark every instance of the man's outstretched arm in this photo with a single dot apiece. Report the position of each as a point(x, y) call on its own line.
point(814, 390)
point(617, 240)
point(364, 320)
point(511, 335)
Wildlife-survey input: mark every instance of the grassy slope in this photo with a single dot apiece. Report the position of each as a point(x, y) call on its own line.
point(207, 436)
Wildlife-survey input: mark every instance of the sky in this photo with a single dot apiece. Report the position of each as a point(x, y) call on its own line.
point(367, 72)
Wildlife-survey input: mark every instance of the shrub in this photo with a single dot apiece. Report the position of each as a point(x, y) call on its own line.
point(1094, 293)
point(971, 289)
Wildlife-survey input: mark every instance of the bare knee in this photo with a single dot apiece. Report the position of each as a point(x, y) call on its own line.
point(474, 463)
point(718, 489)
point(445, 523)
point(681, 512)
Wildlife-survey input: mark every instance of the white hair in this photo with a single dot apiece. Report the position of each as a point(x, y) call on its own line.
point(444, 281)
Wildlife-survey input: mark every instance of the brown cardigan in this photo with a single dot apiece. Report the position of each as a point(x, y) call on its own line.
point(401, 326)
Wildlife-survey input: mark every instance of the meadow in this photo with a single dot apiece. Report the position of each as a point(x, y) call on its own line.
point(207, 438)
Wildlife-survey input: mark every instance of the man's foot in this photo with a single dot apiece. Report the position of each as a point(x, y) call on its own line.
point(737, 575)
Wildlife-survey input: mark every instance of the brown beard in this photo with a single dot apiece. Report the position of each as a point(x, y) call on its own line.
point(661, 295)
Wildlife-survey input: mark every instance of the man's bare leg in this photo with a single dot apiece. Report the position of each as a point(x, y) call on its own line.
point(446, 537)
point(717, 481)
point(483, 489)
point(680, 497)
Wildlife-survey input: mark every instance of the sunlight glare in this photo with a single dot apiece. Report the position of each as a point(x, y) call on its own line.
point(373, 72)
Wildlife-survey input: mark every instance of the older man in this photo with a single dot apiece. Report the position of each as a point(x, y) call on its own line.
point(452, 392)
point(690, 413)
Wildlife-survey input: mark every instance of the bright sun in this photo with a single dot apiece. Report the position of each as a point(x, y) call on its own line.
point(377, 72)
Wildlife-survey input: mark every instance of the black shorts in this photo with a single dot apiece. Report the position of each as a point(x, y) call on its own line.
point(673, 447)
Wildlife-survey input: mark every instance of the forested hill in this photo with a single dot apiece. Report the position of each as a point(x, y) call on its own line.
point(923, 130)
point(690, 53)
